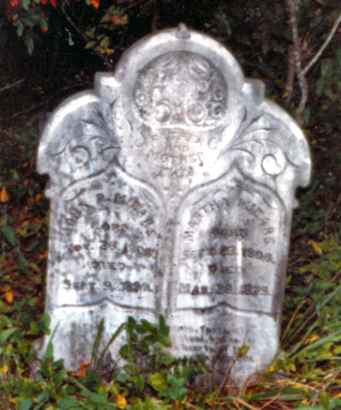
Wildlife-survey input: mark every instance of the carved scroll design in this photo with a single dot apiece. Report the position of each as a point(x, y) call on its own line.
point(260, 145)
point(86, 152)
point(181, 88)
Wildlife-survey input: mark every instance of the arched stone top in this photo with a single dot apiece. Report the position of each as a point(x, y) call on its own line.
point(174, 80)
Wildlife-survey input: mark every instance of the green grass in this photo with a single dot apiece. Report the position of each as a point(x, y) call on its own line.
point(305, 375)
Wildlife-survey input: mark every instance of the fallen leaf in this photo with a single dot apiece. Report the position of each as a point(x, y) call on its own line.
point(316, 247)
point(4, 196)
point(82, 369)
point(121, 401)
point(9, 296)
point(312, 339)
point(38, 198)
point(43, 255)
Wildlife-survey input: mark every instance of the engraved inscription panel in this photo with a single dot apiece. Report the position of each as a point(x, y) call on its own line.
point(228, 250)
point(108, 239)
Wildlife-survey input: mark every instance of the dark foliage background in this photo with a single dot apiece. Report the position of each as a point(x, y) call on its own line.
point(51, 49)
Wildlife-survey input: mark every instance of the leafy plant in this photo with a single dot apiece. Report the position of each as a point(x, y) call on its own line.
point(148, 363)
point(312, 336)
point(91, 22)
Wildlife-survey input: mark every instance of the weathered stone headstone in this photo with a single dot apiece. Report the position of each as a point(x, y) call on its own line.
point(172, 190)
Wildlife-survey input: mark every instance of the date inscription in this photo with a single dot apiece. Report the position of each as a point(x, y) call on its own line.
point(109, 286)
point(226, 288)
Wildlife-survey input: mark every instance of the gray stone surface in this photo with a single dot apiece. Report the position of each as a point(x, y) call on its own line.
point(172, 186)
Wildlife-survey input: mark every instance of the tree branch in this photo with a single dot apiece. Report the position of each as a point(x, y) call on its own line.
point(289, 87)
point(292, 8)
point(12, 85)
point(323, 47)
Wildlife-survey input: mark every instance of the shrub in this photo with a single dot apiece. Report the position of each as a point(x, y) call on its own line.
point(92, 22)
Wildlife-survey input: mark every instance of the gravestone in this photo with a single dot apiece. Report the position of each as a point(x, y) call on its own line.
point(172, 186)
